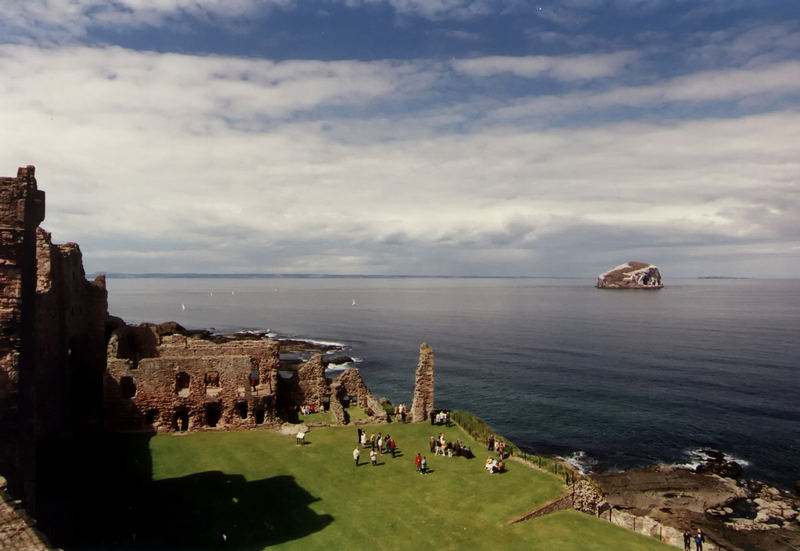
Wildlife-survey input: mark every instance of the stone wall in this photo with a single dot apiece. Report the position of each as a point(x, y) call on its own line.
point(52, 340)
point(422, 406)
point(158, 374)
point(353, 386)
point(21, 211)
point(587, 498)
point(152, 381)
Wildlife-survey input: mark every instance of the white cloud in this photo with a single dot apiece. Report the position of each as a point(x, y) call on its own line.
point(143, 168)
point(577, 67)
point(72, 17)
point(719, 85)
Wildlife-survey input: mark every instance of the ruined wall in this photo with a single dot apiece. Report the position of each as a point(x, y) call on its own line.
point(158, 374)
point(422, 406)
point(352, 384)
point(309, 385)
point(21, 211)
point(152, 381)
point(52, 337)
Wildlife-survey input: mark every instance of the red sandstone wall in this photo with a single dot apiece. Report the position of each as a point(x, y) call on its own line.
point(52, 338)
point(204, 383)
point(422, 406)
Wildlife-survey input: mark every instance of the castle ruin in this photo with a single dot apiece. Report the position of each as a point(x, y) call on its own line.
point(70, 371)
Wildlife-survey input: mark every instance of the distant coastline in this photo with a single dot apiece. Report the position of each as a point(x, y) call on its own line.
point(722, 277)
point(192, 275)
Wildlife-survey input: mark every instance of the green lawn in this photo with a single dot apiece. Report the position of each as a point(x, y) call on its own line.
point(264, 490)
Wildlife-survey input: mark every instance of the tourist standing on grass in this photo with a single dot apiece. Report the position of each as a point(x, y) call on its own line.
point(423, 467)
point(491, 443)
point(356, 455)
point(364, 439)
point(372, 440)
point(698, 540)
point(380, 443)
point(687, 540)
point(373, 457)
point(418, 462)
point(392, 446)
point(359, 436)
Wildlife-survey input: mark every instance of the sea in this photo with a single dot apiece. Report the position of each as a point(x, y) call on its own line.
point(607, 379)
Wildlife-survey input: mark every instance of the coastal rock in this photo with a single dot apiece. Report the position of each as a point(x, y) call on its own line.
point(717, 464)
point(734, 516)
point(632, 275)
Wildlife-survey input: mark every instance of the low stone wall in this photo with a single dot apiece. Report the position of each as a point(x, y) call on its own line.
point(586, 497)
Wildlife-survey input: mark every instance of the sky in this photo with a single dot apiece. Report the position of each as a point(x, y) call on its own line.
point(413, 137)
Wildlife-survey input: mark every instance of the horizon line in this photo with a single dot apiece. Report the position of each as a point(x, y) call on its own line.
point(259, 275)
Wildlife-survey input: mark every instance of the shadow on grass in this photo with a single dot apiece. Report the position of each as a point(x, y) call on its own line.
point(194, 511)
point(97, 492)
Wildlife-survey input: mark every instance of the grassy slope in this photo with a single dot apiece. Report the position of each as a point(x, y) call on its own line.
point(264, 490)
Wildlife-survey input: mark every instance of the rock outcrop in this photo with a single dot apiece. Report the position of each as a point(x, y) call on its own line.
point(632, 275)
point(422, 406)
point(665, 501)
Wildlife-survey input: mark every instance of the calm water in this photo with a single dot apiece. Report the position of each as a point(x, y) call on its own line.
point(626, 377)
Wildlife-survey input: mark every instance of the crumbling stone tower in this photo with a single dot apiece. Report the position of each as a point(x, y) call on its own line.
point(52, 334)
point(422, 406)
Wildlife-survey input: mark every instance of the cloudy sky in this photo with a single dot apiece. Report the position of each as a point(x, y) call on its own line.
point(427, 137)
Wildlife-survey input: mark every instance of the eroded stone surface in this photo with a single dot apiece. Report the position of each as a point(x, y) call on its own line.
point(733, 515)
point(164, 378)
point(52, 347)
point(422, 406)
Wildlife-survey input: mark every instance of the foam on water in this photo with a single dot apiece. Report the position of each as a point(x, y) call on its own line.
point(697, 456)
point(582, 461)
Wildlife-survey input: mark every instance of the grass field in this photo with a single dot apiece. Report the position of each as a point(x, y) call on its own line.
point(262, 490)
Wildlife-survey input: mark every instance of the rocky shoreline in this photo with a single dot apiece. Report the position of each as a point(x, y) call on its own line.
point(734, 514)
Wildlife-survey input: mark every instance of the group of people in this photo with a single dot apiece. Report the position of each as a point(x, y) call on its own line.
point(400, 411)
point(698, 538)
point(494, 465)
point(378, 445)
point(441, 417)
point(498, 446)
point(421, 463)
point(307, 409)
point(440, 446)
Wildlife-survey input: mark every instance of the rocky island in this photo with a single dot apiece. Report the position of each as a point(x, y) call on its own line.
point(631, 275)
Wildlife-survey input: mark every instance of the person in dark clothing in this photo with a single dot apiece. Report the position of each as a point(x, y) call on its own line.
point(491, 443)
point(698, 540)
point(687, 540)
